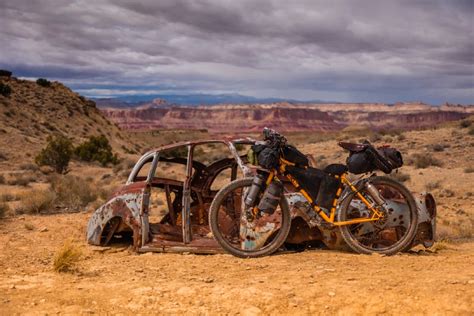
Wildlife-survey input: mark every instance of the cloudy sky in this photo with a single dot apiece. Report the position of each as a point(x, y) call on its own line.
point(372, 50)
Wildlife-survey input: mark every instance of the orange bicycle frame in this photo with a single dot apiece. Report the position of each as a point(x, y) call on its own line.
point(376, 215)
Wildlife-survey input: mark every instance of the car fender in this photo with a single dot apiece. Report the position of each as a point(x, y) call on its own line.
point(127, 208)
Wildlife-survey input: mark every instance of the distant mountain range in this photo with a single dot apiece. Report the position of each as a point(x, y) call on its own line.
point(193, 100)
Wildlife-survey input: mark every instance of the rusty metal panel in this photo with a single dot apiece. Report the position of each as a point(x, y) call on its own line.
point(126, 206)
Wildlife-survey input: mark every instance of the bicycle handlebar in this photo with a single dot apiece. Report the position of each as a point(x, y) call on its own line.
point(273, 137)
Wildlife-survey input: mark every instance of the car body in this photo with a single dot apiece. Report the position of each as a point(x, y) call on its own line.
point(183, 224)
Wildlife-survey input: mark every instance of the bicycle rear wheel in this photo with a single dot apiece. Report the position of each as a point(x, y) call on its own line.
point(241, 236)
point(389, 235)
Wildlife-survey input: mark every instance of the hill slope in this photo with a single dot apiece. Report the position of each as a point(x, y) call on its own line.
point(33, 112)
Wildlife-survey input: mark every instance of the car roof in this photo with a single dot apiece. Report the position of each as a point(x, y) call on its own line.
point(225, 140)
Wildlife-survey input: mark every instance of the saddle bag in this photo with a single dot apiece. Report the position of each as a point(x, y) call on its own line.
point(385, 159)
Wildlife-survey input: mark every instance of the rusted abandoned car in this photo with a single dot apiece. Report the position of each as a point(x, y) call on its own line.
point(164, 204)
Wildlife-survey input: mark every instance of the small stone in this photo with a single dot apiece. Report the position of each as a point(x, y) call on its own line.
point(12, 286)
point(247, 268)
point(470, 282)
point(208, 280)
point(251, 311)
point(44, 229)
point(332, 293)
point(42, 301)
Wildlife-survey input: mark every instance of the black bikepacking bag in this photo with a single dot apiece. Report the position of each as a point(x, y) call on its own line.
point(385, 159)
point(293, 155)
point(268, 158)
point(393, 156)
point(360, 162)
point(327, 191)
point(309, 179)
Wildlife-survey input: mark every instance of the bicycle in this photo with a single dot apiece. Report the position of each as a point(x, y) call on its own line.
point(250, 217)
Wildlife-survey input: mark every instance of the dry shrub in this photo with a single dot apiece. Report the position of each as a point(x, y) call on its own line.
point(400, 176)
point(4, 208)
point(73, 192)
point(29, 166)
point(422, 161)
point(446, 193)
point(29, 226)
point(433, 185)
point(36, 202)
point(469, 170)
point(465, 123)
point(440, 245)
point(67, 257)
point(22, 180)
point(437, 147)
point(8, 197)
point(125, 164)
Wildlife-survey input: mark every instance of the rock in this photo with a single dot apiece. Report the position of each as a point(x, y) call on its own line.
point(99, 249)
point(44, 229)
point(332, 293)
point(208, 280)
point(251, 311)
point(185, 291)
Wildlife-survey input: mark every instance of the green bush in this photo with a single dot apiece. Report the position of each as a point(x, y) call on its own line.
point(5, 73)
point(5, 90)
point(43, 82)
point(97, 148)
point(57, 154)
point(465, 123)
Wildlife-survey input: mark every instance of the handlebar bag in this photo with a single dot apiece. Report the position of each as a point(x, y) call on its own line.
point(293, 155)
point(268, 158)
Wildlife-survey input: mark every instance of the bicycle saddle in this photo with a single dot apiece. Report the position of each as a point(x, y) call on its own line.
point(353, 147)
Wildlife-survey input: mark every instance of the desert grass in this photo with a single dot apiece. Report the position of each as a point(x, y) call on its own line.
point(67, 257)
point(4, 208)
point(73, 192)
point(29, 226)
point(400, 176)
point(36, 202)
point(423, 161)
point(440, 245)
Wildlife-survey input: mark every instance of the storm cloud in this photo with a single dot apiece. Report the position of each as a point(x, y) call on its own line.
point(357, 51)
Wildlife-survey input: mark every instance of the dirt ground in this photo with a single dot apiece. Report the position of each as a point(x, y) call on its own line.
point(116, 280)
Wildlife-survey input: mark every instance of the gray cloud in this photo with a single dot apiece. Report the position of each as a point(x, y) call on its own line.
point(342, 50)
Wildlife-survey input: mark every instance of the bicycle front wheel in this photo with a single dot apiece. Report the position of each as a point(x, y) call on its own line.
point(240, 235)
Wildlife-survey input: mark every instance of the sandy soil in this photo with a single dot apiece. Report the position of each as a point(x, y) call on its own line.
point(116, 280)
